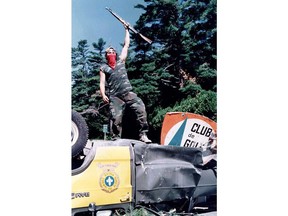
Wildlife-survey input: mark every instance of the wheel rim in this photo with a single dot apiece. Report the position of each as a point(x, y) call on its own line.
point(74, 133)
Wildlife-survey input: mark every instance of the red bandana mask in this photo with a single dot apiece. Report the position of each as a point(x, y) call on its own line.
point(111, 60)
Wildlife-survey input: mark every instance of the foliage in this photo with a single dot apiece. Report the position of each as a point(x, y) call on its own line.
point(177, 72)
point(85, 79)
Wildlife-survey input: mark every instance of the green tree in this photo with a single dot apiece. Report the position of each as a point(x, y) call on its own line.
point(181, 59)
point(85, 83)
point(80, 76)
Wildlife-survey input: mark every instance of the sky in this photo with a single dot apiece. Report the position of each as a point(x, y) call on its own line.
point(91, 21)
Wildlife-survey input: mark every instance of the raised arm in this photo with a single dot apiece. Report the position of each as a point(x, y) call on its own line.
point(124, 52)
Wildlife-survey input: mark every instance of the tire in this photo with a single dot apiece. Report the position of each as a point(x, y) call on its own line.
point(79, 133)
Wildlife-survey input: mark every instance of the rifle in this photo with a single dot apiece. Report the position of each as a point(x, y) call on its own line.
point(129, 27)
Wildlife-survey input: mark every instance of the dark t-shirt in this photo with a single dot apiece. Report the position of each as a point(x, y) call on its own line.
point(117, 81)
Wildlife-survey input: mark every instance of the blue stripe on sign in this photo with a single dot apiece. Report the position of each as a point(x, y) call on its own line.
point(176, 140)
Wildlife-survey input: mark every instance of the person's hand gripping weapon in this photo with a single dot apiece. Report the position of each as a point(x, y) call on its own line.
point(126, 24)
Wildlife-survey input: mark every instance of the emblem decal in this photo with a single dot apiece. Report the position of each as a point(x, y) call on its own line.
point(109, 180)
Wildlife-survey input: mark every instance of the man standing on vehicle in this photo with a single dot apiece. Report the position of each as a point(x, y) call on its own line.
point(113, 76)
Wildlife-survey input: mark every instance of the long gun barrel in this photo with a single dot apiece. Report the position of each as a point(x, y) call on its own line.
point(127, 24)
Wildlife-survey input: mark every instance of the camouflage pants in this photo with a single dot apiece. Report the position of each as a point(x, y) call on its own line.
point(117, 107)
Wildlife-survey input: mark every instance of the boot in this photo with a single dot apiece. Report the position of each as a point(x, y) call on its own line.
point(115, 137)
point(144, 138)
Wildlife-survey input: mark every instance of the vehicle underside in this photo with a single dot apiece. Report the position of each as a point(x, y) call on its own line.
point(125, 176)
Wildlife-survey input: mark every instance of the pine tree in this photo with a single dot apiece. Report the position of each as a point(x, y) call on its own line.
point(181, 61)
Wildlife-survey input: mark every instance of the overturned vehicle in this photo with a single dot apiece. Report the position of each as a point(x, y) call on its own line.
point(119, 177)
